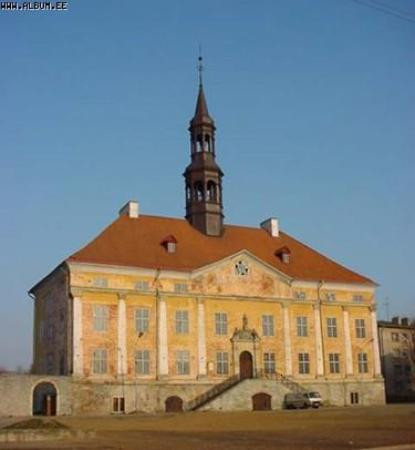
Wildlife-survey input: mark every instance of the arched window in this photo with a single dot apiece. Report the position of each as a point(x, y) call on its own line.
point(207, 143)
point(199, 192)
point(199, 143)
point(188, 192)
point(211, 191)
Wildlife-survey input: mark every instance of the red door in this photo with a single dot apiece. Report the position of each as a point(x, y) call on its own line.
point(246, 369)
point(261, 402)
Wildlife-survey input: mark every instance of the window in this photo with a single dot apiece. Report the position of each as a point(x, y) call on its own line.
point(50, 332)
point(331, 296)
point(269, 362)
point(301, 326)
point(100, 319)
point(334, 362)
point(142, 362)
point(362, 362)
point(221, 323)
point(142, 285)
point(99, 361)
point(182, 322)
point(354, 398)
point(49, 363)
point(100, 282)
point(118, 404)
point(222, 363)
point(142, 318)
point(182, 362)
point(268, 325)
point(300, 295)
point(180, 288)
point(358, 298)
point(360, 328)
point(331, 327)
point(395, 337)
point(303, 363)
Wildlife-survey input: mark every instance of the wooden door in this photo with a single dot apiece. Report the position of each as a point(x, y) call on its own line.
point(261, 402)
point(174, 404)
point(246, 369)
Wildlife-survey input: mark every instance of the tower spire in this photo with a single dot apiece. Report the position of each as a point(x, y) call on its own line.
point(203, 176)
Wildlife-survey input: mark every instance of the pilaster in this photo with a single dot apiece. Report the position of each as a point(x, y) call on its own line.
point(201, 339)
point(319, 340)
point(376, 353)
point(287, 341)
point(121, 337)
point(162, 349)
point(77, 354)
point(347, 343)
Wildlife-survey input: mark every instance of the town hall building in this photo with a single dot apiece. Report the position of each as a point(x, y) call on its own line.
point(170, 314)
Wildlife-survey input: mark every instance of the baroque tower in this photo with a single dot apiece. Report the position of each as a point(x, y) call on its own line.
point(203, 177)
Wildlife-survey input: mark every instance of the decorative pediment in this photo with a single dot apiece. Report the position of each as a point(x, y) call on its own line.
point(241, 274)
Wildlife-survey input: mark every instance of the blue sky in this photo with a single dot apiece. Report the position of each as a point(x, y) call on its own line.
point(314, 107)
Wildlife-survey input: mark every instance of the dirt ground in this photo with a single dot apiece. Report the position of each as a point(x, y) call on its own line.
point(326, 428)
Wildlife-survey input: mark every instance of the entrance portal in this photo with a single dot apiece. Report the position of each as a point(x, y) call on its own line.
point(246, 369)
point(261, 402)
point(44, 399)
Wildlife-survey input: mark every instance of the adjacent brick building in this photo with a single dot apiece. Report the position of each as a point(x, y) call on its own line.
point(397, 351)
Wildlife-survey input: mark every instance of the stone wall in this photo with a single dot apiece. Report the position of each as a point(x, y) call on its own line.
point(82, 397)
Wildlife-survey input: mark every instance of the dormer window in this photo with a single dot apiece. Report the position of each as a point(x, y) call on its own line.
point(169, 243)
point(284, 253)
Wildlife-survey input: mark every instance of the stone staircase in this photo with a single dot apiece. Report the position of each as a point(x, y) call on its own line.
point(261, 377)
point(212, 393)
point(285, 381)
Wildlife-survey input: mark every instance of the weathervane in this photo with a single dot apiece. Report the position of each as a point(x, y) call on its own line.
point(200, 65)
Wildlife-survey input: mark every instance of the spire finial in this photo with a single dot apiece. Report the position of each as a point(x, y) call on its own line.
point(200, 65)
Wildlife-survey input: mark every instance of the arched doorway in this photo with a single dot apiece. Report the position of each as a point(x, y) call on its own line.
point(246, 369)
point(261, 402)
point(44, 399)
point(174, 404)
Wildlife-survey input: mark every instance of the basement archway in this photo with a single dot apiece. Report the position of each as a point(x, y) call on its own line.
point(45, 399)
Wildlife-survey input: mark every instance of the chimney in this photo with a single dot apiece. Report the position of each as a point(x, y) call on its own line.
point(130, 209)
point(271, 226)
point(395, 320)
point(405, 321)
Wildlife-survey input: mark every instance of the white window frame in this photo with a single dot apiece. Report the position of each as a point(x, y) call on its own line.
point(332, 327)
point(221, 324)
point(362, 363)
point(142, 362)
point(360, 326)
point(269, 362)
point(334, 362)
point(142, 320)
point(100, 317)
point(303, 363)
point(182, 362)
point(222, 363)
point(302, 328)
point(268, 325)
point(100, 361)
point(182, 321)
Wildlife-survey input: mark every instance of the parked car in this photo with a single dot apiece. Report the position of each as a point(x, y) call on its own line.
point(293, 401)
point(315, 399)
point(303, 400)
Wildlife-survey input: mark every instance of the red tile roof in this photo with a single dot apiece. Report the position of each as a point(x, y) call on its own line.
point(137, 243)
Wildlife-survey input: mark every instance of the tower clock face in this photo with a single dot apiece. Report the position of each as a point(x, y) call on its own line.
point(241, 268)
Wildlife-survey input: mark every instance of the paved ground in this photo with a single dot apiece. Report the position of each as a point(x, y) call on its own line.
point(327, 428)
